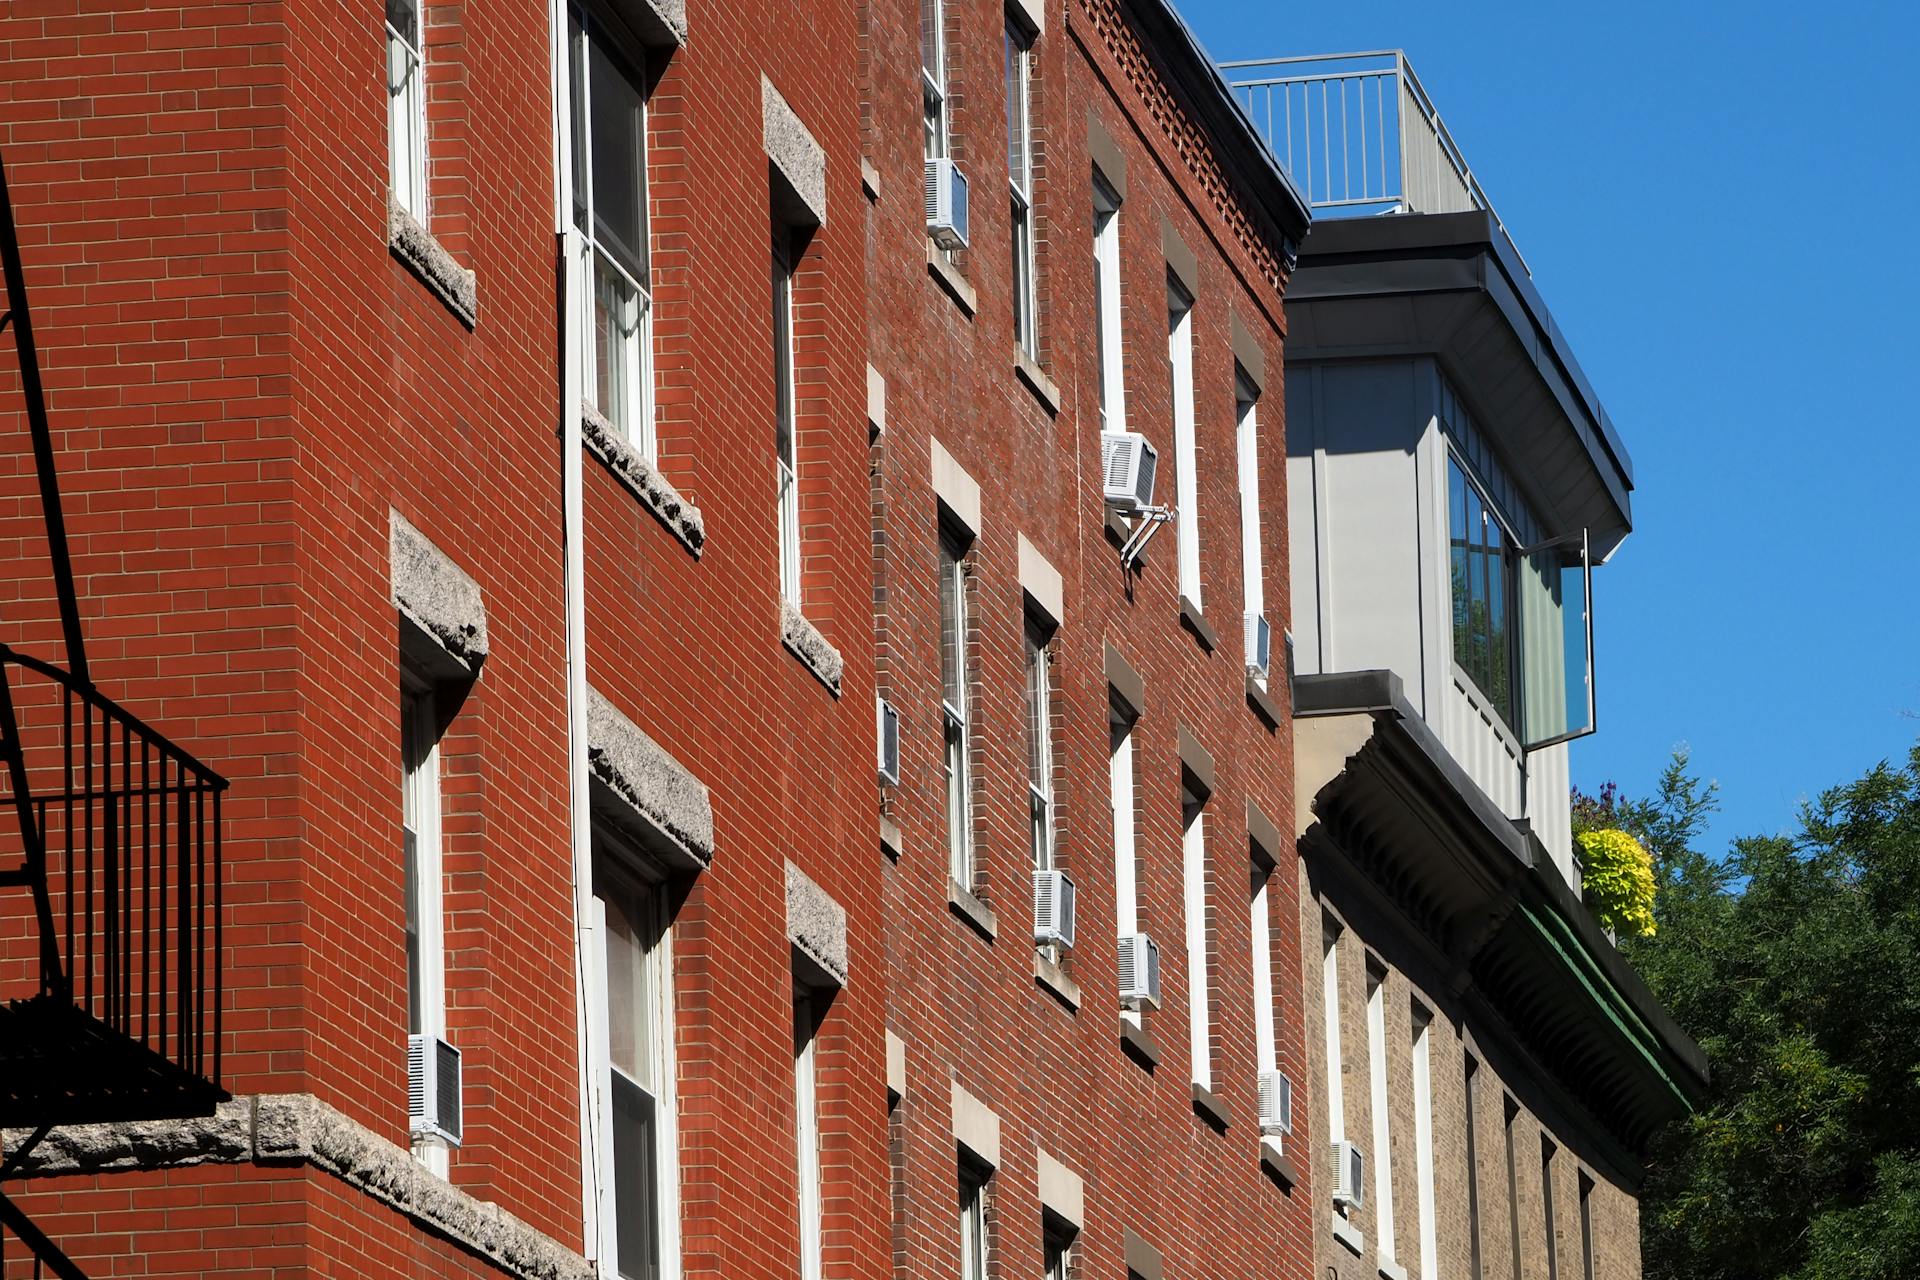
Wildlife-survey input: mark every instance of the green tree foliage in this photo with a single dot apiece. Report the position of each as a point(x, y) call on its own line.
point(1796, 964)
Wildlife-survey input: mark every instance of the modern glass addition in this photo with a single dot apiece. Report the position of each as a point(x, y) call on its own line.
point(406, 108)
point(1039, 745)
point(1522, 616)
point(954, 669)
point(786, 454)
point(609, 186)
point(1019, 59)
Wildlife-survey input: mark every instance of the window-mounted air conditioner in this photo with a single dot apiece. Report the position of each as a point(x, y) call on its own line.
point(946, 204)
point(433, 1088)
point(1053, 909)
point(1349, 1175)
point(1127, 464)
point(888, 718)
point(1259, 644)
point(1139, 972)
point(1276, 1102)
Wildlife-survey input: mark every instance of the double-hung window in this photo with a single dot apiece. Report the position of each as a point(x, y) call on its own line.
point(973, 1220)
point(1423, 1140)
point(933, 77)
point(807, 1134)
point(1247, 457)
point(608, 181)
point(1039, 745)
point(1193, 864)
point(1186, 477)
point(1377, 1090)
point(954, 670)
point(636, 1076)
point(1120, 722)
point(1106, 298)
point(786, 453)
point(406, 108)
point(1026, 320)
point(1330, 1003)
point(421, 891)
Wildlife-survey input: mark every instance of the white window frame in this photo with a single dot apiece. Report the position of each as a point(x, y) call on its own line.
point(425, 889)
point(935, 124)
point(957, 734)
point(1330, 1004)
point(1026, 300)
point(972, 1183)
point(1247, 460)
point(628, 403)
point(1106, 295)
point(1193, 877)
point(1039, 671)
point(1180, 303)
point(657, 977)
point(407, 109)
point(1423, 1141)
point(1266, 1053)
point(1126, 903)
point(786, 417)
point(1382, 1136)
point(806, 1109)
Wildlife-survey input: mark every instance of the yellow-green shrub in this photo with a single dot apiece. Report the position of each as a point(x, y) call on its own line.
point(1618, 881)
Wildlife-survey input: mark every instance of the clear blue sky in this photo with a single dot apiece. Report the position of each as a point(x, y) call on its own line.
point(1721, 205)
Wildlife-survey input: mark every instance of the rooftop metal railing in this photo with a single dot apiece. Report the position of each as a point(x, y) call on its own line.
point(1359, 134)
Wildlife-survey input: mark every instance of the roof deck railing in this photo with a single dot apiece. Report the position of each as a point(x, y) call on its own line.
point(1359, 134)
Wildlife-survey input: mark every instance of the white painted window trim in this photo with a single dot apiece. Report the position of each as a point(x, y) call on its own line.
point(1247, 459)
point(1260, 928)
point(957, 741)
point(1120, 797)
point(806, 1106)
point(786, 425)
point(636, 420)
point(1187, 462)
point(1110, 343)
point(407, 114)
point(1193, 876)
point(1330, 1002)
point(1382, 1136)
point(659, 977)
point(1423, 1142)
point(1038, 655)
point(420, 811)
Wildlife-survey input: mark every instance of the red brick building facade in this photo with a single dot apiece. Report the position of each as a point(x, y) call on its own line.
point(438, 469)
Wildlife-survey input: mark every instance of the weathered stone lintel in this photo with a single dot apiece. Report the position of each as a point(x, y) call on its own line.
point(806, 643)
point(817, 928)
point(644, 791)
point(454, 284)
point(438, 597)
point(297, 1128)
point(643, 480)
point(798, 160)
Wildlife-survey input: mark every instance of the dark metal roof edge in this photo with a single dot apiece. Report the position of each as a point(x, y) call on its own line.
point(1477, 227)
point(1247, 154)
point(1381, 694)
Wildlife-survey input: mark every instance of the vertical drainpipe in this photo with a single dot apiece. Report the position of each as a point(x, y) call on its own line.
point(580, 839)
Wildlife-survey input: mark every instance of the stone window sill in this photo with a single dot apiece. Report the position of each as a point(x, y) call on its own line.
point(1391, 1270)
point(1347, 1234)
point(1196, 623)
point(452, 283)
point(804, 641)
point(1055, 979)
point(1261, 700)
point(1037, 381)
point(640, 478)
point(1278, 1166)
point(1209, 1107)
point(964, 904)
point(1139, 1043)
point(891, 841)
point(951, 280)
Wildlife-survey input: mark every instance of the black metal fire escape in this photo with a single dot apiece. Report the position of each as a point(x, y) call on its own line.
point(109, 874)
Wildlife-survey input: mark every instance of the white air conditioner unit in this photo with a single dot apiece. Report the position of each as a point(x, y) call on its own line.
point(433, 1088)
point(1349, 1175)
point(1276, 1102)
point(1053, 909)
point(888, 719)
point(1139, 972)
point(1259, 644)
point(1127, 463)
point(946, 204)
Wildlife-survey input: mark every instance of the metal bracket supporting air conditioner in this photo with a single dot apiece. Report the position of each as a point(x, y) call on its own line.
point(1150, 520)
